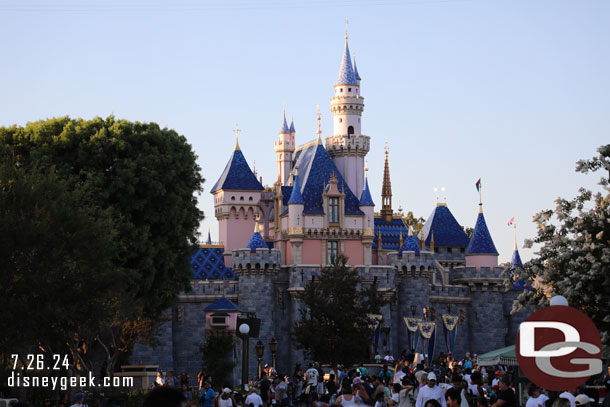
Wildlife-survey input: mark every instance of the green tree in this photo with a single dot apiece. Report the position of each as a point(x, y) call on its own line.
point(145, 179)
point(337, 324)
point(574, 255)
point(217, 357)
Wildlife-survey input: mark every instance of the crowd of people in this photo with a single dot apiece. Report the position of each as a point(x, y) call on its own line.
point(406, 382)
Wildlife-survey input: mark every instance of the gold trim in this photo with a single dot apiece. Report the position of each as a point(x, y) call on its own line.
point(295, 231)
point(211, 246)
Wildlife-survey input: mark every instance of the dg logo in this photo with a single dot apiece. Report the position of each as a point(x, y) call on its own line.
point(558, 348)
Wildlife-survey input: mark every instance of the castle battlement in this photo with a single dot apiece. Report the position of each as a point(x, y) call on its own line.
point(260, 261)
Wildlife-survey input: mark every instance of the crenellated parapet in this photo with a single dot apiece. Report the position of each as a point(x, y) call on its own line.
point(261, 261)
point(409, 264)
point(483, 278)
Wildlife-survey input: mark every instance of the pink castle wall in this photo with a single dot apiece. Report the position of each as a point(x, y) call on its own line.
point(312, 252)
point(481, 261)
point(354, 251)
point(236, 231)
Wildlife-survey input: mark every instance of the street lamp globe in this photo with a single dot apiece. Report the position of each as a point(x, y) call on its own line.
point(244, 329)
point(558, 300)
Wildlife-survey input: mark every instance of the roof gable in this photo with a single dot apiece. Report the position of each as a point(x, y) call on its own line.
point(222, 304)
point(316, 168)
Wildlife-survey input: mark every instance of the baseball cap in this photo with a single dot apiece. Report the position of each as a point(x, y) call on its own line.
point(226, 390)
point(582, 399)
point(431, 376)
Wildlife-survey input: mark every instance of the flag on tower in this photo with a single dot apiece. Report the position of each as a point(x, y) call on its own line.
point(478, 185)
point(511, 221)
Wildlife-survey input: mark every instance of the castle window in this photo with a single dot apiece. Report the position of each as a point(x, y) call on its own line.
point(462, 250)
point(241, 198)
point(349, 89)
point(232, 198)
point(249, 199)
point(333, 210)
point(340, 120)
point(449, 250)
point(340, 89)
point(333, 250)
point(350, 130)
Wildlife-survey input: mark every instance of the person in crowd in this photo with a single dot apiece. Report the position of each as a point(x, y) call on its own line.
point(206, 395)
point(359, 391)
point(561, 402)
point(388, 358)
point(226, 398)
point(453, 397)
point(253, 399)
point(281, 392)
point(311, 378)
point(408, 393)
point(536, 396)
point(482, 402)
point(265, 388)
point(582, 400)
point(346, 399)
point(394, 395)
point(379, 400)
point(432, 403)
point(159, 381)
point(164, 397)
point(79, 400)
point(430, 391)
point(474, 388)
point(569, 395)
point(363, 370)
point(188, 396)
point(171, 380)
point(506, 395)
point(385, 373)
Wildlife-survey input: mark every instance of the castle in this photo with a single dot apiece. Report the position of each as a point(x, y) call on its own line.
point(320, 207)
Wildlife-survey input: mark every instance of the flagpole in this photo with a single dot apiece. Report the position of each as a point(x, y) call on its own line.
point(515, 232)
point(480, 196)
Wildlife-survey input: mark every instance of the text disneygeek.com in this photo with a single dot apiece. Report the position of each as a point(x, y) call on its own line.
point(16, 379)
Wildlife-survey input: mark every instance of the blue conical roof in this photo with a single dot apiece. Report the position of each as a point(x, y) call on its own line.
point(292, 126)
point(295, 196)
point(237, 175)
point(346, 72)
point(356, 70)
point(481, 241)
point(365, 198)
point(515, 260)
point(410, 245)
point(256, 242)
point(284, 128)
point(209, 241)
point(447, 231)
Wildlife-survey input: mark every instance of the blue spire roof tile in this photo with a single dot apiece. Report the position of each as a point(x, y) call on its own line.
point(390, 233)
point(208, 263)
point(365, 198)
point(447, 231)
point(410, 244)
point(315, 170)
point(237, 175)
point(356, 71)
point(284, 128)
point(222, 304)
point(346, 72)
point(256, 242)
point(292, 126)
point(296, 198)
point(481, 241)
point(515, 260)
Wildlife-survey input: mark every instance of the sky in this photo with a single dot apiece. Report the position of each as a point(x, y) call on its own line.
point(512, 92)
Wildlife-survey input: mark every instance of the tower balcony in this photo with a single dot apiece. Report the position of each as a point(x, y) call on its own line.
point(342, 143)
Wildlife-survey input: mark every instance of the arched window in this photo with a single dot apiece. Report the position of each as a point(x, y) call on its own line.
point(350, 130)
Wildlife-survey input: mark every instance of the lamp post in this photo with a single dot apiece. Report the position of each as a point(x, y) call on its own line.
point(386, 332)
point(260, 351)
point(273, 349)
point(244, 330)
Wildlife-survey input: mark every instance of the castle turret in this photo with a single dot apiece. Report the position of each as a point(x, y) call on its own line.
point(367, 206)
point(296, 205)
point(284, 149)
point(348, 146)
point(481, 251)
point(236, 197)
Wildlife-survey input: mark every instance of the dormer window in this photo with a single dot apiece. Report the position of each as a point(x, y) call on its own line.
point(333, 210)
point(219, 319)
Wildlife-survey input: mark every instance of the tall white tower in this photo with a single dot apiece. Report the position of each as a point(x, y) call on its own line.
point(284, 149)
point(348, 146)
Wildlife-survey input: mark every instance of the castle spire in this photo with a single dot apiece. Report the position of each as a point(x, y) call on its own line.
point(346, 72)
point(284, 129)
point(236, 131)
point(386, 190)
point(319, 131)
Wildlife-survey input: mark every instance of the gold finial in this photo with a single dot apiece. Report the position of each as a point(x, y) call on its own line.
point(445, 194)
point(319, 131)
point(432, 242)
point(236, 131)
point(436, 193)
point(366, 168)
point(296, 170)
point(379, 242)
point(422, 241)
point(386, 148)
point(400, 241)
point(256, 224)
point(410, 231)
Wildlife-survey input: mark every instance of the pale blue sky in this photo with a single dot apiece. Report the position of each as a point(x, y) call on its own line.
point(511, 91)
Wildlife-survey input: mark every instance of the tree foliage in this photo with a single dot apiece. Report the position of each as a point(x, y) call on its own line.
point(574, 255)
point(336, 323)
point(217, 357)
point(131, 188)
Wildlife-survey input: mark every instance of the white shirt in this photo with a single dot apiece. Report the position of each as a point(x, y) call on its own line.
point(312, 376)
point(389, 358)
point(536, 401)
point(495, 382)
point(569, 396)
point(467, 378)
point(426, 393)
point(398, 376)
point(254, 399)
